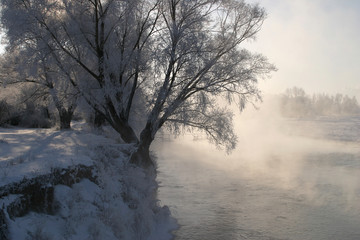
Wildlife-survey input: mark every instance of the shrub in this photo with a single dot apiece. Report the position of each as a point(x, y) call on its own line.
point(35, 117)
point(5, 112)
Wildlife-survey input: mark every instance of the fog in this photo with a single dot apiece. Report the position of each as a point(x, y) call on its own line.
point(314, 162)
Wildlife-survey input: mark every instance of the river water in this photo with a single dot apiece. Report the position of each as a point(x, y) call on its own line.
point(288, 179)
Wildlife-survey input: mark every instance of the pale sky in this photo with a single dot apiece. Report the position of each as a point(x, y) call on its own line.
point(313, 43)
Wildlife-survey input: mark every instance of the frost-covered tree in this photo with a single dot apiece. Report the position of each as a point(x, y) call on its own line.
point(27, 64)
point(180, 55)
point(296, 103)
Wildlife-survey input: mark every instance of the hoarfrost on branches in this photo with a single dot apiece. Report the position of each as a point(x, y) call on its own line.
point(178, 56)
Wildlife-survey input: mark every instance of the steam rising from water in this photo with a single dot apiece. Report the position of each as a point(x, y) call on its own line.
point(315, 162)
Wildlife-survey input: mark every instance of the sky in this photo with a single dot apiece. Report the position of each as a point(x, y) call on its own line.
point(313, 43)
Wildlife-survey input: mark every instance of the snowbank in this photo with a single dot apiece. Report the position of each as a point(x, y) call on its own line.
point(121, 204)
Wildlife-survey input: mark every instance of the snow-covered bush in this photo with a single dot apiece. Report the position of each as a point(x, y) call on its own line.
point(136, 214)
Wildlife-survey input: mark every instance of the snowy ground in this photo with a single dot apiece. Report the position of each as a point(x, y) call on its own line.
point(122, 205)
point(30, 152)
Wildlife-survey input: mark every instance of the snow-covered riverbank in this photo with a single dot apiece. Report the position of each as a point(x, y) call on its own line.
point(121, 204)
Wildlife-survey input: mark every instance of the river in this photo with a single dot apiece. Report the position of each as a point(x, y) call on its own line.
point(296, 179)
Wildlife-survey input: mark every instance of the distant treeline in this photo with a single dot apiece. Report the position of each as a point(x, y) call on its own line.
point(296, 103)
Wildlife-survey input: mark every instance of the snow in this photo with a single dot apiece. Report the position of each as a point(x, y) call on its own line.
point(30, 152)
point(122, 205)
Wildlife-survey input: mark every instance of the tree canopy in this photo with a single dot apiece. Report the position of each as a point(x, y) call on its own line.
point(179, 56)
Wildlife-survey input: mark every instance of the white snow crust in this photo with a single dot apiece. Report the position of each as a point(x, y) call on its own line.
point(123, 205)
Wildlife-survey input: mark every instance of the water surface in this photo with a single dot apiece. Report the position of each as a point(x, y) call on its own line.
point(298, 183)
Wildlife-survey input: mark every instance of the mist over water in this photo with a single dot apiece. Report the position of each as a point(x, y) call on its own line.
point(287, 179)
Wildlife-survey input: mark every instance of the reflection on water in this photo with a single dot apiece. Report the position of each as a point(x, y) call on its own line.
point(287, 184)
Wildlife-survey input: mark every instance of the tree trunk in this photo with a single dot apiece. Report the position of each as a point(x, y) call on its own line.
point(142, 156)
point(126, 132)
point(65, 118)
point(99, 119)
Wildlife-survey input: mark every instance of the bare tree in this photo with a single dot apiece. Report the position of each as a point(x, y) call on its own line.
point(180, 55)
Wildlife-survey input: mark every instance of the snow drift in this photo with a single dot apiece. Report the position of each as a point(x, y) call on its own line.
point(118, 202)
